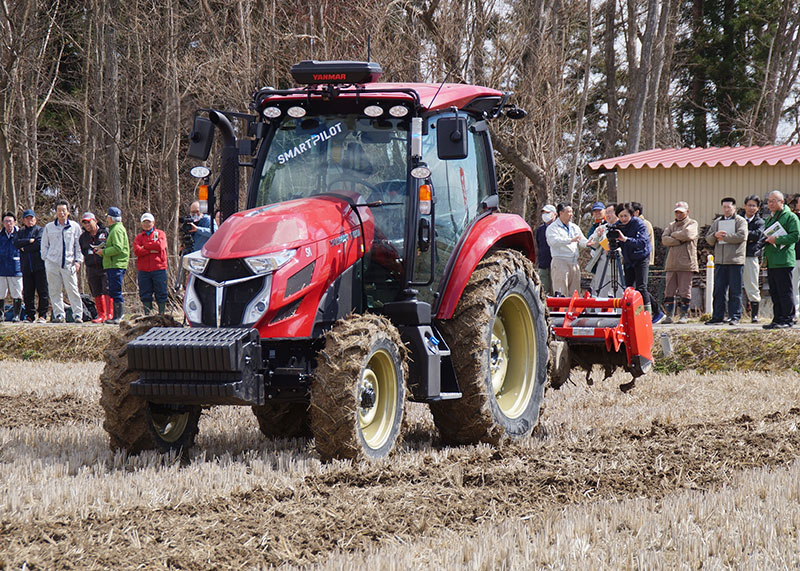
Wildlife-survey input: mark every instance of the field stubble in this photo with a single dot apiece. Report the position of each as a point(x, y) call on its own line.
point(687, 470)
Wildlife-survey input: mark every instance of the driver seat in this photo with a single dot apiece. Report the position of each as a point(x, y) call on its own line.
point(357, 160)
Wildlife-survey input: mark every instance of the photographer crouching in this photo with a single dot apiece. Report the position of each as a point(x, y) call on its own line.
point(631, 233)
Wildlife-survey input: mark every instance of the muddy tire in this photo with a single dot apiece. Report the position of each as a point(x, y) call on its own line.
point(358, 393)
point(286, 419)
point(498, 337)
point(126, 415)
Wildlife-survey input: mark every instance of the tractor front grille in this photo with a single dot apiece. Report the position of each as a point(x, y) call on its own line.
point(235, 297)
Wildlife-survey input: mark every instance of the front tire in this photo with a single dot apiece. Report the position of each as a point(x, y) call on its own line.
point(498, 339)
point(358, 394)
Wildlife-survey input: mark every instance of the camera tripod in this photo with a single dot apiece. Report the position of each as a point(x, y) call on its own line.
point(615, 284)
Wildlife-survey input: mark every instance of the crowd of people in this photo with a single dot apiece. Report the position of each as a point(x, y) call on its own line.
point(38, 264)
point(623, 247)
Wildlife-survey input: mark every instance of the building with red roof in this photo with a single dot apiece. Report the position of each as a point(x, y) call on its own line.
point(658, 178)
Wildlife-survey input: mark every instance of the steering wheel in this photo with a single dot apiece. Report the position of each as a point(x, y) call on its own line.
point(371, 187)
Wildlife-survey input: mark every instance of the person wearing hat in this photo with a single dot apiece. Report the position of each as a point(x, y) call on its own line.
point(34, 277)
point(543, 257)
point(116, 254)
point(680, 239)
point(61, 252)
point(10, 271)
point(150, 249)
point(93, 237)
point(598, 217)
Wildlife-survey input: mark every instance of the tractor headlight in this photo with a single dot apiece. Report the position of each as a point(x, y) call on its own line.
point(191, 303)
point(268, 262)
point(259, 305)
point(195, 262)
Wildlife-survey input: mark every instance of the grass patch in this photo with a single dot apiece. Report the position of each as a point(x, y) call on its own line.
point(729, 350)
point(53, 341)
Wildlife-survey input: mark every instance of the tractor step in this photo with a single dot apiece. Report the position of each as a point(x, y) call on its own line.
point(445, 396)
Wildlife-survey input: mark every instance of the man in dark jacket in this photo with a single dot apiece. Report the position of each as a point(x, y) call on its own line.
point(94, 236)
point(34, 276)
point(10, 272)
point(755, 246)
point(543, 257)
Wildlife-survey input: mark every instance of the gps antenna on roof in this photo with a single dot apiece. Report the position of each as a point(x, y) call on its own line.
point(430, 105)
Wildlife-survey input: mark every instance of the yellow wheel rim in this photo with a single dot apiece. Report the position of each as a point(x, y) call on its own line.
point(169, 427)
point(377, 399)
point(512, 357)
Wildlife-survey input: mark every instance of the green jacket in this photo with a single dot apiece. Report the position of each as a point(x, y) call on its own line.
point(117, 250)
point(775, 256)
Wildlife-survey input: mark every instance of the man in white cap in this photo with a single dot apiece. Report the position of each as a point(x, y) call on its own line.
point(680, 239)
point(543, 256)
point(150, 249)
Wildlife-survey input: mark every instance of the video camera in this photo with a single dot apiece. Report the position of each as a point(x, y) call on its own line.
point(185, 231)
point(613, 233)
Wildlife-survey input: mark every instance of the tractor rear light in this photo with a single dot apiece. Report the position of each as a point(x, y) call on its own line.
point(425, 199)
point(195, 262)
point(268, 262)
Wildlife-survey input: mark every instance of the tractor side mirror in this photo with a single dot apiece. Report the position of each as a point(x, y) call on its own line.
point(200, 138)
point(451, 138)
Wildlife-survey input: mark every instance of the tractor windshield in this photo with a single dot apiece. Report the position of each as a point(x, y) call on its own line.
point(328, 153)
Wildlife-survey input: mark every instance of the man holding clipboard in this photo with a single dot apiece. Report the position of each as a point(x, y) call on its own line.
point(781, 231)
point(728, 235)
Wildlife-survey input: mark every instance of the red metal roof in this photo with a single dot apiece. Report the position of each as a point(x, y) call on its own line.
point(711, 156)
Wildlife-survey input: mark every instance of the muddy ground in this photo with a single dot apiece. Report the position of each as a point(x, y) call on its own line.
point(421, 492)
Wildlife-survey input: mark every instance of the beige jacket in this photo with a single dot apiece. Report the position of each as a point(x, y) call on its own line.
point(731, 249)
point(681, 239)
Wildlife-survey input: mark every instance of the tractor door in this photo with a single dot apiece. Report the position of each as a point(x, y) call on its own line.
point(459, 186)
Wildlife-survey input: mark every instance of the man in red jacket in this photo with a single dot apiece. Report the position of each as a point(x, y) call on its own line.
point(150, 249)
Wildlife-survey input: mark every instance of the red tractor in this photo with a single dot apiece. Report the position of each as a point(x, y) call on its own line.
point(370, 267)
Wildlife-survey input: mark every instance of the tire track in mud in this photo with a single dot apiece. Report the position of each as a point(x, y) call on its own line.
point(29, 410)
point(356, 507)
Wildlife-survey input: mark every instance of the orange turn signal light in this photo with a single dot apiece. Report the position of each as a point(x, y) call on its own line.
point(202, 192)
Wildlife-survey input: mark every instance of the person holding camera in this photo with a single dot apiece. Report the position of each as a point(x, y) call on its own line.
point(564, 238)
point(606, 261)
point(198, 226)
point(631, 233)
point(680, 239)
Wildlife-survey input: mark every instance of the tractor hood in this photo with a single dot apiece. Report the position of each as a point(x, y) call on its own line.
point(288, 225)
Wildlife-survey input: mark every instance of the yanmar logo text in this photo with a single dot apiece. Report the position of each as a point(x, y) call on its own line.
point(329, 76)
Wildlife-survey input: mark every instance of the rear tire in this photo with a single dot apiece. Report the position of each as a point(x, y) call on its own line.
point(125, 415)
point(358, 394)
point(498, 339)
point(286, 419)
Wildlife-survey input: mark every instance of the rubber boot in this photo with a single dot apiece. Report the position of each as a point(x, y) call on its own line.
point(162, 307)
point(119, 313)
point(669, 309)
point(684, 310)
point(100, 304)
point(17, 310)
point(754, 311)
point(148, 307)
point(109, 307)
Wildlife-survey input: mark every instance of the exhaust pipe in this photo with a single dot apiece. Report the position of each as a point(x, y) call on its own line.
point(229, 166)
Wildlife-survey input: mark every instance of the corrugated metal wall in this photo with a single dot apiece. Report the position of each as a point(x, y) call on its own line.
point(660, 188)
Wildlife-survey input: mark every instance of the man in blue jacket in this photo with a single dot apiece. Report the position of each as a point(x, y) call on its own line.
point(201, 226)
point(34, 276)
point(10, 272)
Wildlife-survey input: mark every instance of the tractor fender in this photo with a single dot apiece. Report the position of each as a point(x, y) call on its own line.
point(486, 233)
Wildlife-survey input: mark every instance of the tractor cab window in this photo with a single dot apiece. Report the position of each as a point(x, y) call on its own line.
point(460, 187)
point(353, 155)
